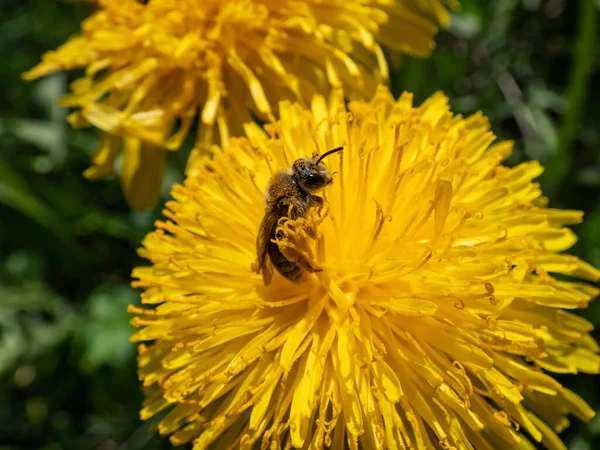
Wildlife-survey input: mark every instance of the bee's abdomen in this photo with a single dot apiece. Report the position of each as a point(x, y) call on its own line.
point(286, 268)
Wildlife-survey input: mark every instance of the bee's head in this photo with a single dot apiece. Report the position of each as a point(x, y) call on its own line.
point(311, 173)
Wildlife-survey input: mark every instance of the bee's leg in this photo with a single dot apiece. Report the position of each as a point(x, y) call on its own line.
point(312, 225)
point(301, 258)
point(310, 229)
point(317, 201)
point(321, 207)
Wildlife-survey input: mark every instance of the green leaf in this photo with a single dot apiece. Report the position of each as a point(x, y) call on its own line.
point(465, 25)
point(32, 320)
point(103, 338)
point(15, 194)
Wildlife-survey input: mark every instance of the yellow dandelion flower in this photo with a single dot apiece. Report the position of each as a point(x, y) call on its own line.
point(436, 321)
point(154, 68)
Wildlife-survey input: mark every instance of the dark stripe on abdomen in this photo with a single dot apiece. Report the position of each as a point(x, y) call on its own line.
point(286, 268)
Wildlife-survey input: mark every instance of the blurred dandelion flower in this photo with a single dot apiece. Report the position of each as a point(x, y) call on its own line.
point(153, 67)
point(436, 321)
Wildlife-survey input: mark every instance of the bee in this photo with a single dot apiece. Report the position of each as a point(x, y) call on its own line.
point(291, 194)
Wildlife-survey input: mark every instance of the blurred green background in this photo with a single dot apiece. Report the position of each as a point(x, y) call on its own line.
point(67, 370)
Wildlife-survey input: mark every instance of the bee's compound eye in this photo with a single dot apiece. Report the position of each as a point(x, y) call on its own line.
point(316, 180)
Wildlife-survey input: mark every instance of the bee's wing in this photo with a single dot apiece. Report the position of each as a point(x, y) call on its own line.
point(265, 234)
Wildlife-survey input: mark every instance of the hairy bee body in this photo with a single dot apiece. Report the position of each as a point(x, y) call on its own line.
point(291, 194)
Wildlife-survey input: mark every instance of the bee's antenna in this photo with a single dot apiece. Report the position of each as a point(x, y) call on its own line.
point(335, 150)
